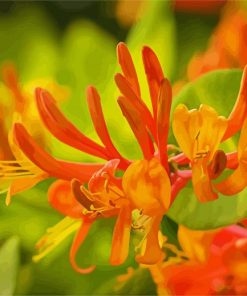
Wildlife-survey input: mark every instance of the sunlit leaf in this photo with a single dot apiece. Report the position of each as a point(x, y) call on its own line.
point(9, 262)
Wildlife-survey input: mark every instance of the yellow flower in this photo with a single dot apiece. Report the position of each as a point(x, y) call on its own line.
point(199, 133)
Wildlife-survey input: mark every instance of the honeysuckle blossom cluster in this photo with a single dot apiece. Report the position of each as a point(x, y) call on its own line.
point(85, 192)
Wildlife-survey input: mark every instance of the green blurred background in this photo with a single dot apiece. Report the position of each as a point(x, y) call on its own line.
point(73, 43)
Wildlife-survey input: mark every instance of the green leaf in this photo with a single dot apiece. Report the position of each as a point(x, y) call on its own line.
point(28, 40)
point(9, 262)
point(139, 283)
point(156, 29)
point(218, 89)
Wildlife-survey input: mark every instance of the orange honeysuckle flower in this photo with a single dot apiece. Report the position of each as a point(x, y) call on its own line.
point(103, 199)
point(149, 185)
point(227, 46)
point(107, 195)
point(220, 271)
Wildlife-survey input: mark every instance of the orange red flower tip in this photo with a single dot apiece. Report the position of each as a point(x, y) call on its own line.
point(53, 167)
point(63, 129)
point(154, 75)
point(128, 68)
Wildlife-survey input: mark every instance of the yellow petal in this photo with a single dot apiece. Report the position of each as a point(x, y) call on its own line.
point(195, 243)
point(201, 182)
point(180, 128)
point(22, 184)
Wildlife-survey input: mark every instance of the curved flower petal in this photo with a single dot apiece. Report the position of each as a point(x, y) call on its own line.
point(79, 239)
point(128, 68)
point(154, 75)
point(22, 184)
point(163, 120)
point(134, 119)
point(237, 181)
point(62, 128)
point(61, 198)
point(128, 93)
point(56, 168)
point(239, 111)
point(97, 116)
point(121, 236)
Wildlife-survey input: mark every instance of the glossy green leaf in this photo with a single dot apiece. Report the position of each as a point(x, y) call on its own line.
point(9, 262)
point(218, 89)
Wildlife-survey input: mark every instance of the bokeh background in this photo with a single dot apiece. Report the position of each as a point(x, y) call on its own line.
point(67, 45)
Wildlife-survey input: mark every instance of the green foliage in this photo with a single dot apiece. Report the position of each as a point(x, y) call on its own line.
point(218, 89)
point(9, 262)
point(139, 282)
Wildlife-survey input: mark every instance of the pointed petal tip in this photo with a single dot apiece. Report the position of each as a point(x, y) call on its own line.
point(121, 46)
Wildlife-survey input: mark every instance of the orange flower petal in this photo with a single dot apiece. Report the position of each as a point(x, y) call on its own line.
point(22, 184)
point(79, 239)
point(97, 116)
point(163, 120)
point(121, 236)
point(56, 168)
point(239, 111)
point(63, 129)
point(62, 199)
point(147, 185)
point(153, 253)
point(235, 183)
point(154, 75)
point(140, 106)
point(98, 179)
point(128, 68)
point(135, 122)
